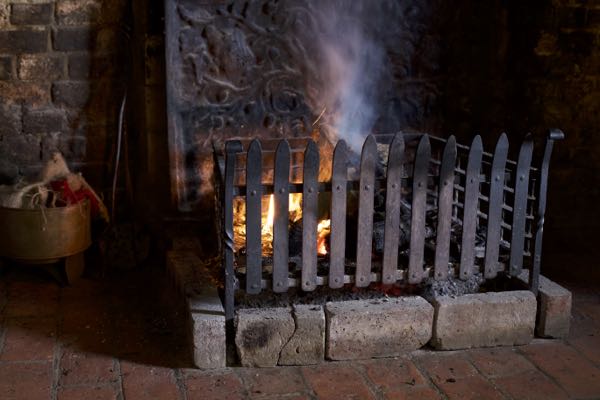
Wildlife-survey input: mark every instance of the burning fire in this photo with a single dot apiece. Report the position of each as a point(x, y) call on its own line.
point(295, 207)
point(323, 230)
point(294, 215)
point(267, 226)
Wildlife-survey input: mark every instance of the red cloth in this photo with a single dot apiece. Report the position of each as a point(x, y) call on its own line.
point(68, 196)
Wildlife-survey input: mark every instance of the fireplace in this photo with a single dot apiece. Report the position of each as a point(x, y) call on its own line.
point(283, 69)
point(277, 115)
point(425, 208)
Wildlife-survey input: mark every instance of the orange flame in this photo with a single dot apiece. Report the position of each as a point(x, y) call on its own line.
point(267, 220)
point(267, 226)
point(323, 229)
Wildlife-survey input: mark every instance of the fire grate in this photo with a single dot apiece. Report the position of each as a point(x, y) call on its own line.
point(443, 209)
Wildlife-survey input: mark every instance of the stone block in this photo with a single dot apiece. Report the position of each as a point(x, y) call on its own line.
point(207, 324)
point(261, 334)
point(205, 312)
point(35, 94)
point(362, 329)
point(484, 320)
point(554, 308)
point(71, 94)
point(72, 39)
point(23, 41)
point(10, 120)
point(38, 121)
point(31, 14)
point(40, 67)
point(21, 149)
point(78, 12)
point(307, 344)
point(4, 14)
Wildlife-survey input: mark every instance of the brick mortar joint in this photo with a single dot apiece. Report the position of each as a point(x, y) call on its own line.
point(309, 389)
point(119, 374)
point(180, 383)
point(428, 378)
point(488, 379)
point(377, 392)
point(583, 354)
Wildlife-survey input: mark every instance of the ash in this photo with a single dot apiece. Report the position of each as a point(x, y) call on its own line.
point(321, 295)
point(429, 289)
point(452, 286)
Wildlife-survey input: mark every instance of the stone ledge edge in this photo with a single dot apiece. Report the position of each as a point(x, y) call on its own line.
point(206, 314)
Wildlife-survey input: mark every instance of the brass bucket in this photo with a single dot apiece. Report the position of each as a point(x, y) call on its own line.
point(41, 236)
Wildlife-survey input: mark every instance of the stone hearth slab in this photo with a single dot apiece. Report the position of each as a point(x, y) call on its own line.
point(554, 308)
point(261, 334)
point(206, 315)
point(360, 329)
point(389, 327)
point(484, 320)
point(307, 344)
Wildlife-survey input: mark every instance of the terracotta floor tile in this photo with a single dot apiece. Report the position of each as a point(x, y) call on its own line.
point(392, 374)
point(530, 385)
point(420, 393)
point(499, 361)
point(88, 393)
point(29, 339)
point(32, 299)
point(579, 377)
point(272, 381)
point(30, 380)
point(122, 339)
point(147, 382)
point(337, 381)
point(213, 385)
point(78, 368)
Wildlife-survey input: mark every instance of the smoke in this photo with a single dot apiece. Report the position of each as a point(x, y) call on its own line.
point(348, 69)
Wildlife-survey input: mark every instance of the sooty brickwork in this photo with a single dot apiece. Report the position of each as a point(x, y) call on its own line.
point(62, 74)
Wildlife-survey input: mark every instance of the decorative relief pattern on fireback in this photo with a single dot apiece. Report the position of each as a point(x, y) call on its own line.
point(246, 68)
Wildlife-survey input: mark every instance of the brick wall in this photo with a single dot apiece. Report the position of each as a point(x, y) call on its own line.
point(62, 75)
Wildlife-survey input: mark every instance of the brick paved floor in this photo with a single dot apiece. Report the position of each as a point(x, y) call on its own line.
point(120, 338)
